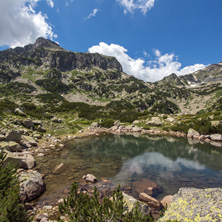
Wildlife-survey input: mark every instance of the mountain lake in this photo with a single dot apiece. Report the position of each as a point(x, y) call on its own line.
point(170, 162)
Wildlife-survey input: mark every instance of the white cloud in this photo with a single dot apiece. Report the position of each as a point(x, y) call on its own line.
point(161, 66)
point(132, 5)
point(93, 13)
point(66, 3)
point(50, 3)
point(20, 24)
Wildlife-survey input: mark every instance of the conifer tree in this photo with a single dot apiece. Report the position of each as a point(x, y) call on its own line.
point(11, 210)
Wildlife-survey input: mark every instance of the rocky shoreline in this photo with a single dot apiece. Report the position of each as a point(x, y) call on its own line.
point(21, 146)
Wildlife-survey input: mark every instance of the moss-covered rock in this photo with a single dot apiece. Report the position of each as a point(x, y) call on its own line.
point(191, 204)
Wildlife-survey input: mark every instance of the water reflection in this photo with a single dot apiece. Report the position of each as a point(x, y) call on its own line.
point(170, 162)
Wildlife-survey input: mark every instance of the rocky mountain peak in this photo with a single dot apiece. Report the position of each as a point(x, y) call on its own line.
point(46, 43)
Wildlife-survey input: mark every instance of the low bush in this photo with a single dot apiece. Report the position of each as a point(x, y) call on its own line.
point(10, 208)
point(84, 208)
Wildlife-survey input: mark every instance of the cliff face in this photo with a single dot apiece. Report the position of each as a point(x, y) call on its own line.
point(45, 52)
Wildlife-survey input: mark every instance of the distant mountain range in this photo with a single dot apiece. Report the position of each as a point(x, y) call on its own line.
point(44, 68)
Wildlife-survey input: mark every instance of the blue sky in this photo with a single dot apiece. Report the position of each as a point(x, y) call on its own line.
point(150, 38)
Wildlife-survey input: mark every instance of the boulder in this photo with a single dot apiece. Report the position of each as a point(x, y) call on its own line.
point(20, 112)
point(114, 128)
point(136, 129)
point(129, 127)
point(11, 146)
point(152, 202)
point(90, 178)
point(155, 121)
point(29, 140)
point(216, 137)
point(117, 123)
point(31, 185)
point(146, 186)
point(13, 135)
point(23, 160)
point(166, 201)
point(37, 122)
point(59, 168)
point(170, 119)
point(191, 204)
point(14, 147)
point(193, 134)
point(41, 130)
point(28, 123)
point(2, 137)
point(131, 203)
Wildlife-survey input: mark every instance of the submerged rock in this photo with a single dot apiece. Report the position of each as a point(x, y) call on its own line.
point(31, 185)
point(146, 186)
point(191, 204)
point(59, 168)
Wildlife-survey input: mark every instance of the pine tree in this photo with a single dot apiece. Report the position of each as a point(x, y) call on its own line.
point(11, 210)
point(84, 208)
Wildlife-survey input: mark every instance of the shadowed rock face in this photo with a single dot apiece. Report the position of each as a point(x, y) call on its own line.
point(44, 51)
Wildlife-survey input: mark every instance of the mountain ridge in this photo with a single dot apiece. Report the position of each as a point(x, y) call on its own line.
point(44, 67)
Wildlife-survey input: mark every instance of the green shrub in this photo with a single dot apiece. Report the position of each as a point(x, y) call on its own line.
point(84, 208)
point(10, 208)
point(107, 123)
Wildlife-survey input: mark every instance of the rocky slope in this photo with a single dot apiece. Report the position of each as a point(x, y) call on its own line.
point(44, 69)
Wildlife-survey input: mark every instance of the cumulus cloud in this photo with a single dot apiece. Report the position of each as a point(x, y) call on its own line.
point(132, 5)
point(20, 24)
point(93, 13)
point(50, 3)
point(154, 70)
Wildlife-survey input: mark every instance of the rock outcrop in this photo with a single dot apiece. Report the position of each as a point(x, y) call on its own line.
point(191, 204)
point(31, 185)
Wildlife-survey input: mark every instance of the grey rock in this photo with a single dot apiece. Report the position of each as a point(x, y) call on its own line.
point(216, 137)
point(40, 129)
point(131, 203)
point(13, 135)
point(29, 140)
point(193, 134)
point(155, 121)
point(28, 123)
point(37, 122)
point(90, 178)
point(56, 120)
point(20, 112)
point(23, 160)
point(95, 125)
point(31, 185)
point(2, 137)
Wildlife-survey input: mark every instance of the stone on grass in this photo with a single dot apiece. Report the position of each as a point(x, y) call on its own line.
point(2, 137)
point(29, 140)
point(13, 135)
